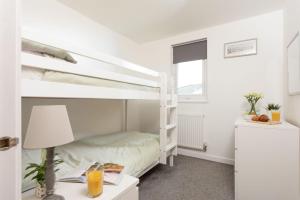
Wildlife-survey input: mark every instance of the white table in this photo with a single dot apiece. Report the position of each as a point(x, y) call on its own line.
point(126, 190)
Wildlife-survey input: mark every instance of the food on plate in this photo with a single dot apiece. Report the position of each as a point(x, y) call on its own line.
point(260, 118)
point(255, 118)
point(263, 118)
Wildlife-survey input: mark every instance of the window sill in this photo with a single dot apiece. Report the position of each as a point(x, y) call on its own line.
point(202, 101)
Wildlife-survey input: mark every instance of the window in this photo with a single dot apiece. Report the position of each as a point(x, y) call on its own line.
point(190, 71)
point(190, 78)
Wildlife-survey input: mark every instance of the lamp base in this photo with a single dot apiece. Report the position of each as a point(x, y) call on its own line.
point(50, 177)
point(54, 197)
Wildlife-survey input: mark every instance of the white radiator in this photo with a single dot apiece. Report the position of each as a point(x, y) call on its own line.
point(191, 131)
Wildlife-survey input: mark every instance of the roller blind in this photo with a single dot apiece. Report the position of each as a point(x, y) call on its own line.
point(190, 51)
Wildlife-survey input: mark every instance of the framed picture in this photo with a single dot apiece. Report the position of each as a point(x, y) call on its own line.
point(240, 48)
point(293, 57)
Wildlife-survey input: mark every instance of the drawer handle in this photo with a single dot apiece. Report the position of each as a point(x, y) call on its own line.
point(7, 142)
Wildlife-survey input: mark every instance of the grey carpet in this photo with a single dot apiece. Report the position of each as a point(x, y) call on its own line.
point(189, 179)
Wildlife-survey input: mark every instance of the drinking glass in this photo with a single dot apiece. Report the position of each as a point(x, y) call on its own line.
point(95, 181)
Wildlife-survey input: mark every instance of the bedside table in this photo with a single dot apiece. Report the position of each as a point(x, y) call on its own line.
point(126, 190)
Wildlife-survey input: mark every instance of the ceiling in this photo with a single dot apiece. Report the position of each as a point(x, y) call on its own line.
point(148, 20)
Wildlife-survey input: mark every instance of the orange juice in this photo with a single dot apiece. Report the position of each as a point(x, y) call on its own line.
point(95, 182)
point(276, 116)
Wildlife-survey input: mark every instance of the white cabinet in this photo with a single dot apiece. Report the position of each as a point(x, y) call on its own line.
point(266, 161)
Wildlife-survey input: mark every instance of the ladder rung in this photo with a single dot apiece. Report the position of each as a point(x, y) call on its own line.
point(172, 106)
point(170, 126)
point(170, 146)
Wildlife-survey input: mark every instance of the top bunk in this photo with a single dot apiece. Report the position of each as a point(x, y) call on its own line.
point(52, 69)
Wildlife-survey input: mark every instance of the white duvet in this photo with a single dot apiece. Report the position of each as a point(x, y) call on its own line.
point(135, 150)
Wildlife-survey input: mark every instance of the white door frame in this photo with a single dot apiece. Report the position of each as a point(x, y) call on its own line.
point(10, 98)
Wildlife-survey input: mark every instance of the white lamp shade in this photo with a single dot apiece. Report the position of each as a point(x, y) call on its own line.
point(49, 126)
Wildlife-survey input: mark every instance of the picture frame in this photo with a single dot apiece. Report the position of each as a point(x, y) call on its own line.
point(293, 61)
point(240, 48)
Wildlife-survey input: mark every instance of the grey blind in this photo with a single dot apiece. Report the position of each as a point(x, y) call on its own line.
point(190, 51)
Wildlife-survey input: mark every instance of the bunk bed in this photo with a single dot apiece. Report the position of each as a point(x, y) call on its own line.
point(77, 73)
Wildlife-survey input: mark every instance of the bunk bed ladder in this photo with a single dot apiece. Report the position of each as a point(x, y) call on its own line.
point(168, 123)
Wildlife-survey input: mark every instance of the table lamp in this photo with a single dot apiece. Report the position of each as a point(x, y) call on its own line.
point(49, 126)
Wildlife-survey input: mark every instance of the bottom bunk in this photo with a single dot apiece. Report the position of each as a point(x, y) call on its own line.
point(138, 152)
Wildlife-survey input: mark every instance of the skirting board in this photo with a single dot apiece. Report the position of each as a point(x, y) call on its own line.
point(205, 156)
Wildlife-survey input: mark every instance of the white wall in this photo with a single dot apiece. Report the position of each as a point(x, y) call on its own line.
point(292, 25)
point(228, 79)
point(59, 21)
point(51, 18)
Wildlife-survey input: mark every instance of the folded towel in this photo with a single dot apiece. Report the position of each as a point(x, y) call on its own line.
point(37, 48)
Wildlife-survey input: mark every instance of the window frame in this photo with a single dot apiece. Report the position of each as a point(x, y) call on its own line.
point(196, 98)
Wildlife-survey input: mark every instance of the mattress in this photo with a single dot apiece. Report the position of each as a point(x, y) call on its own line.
point(54, 76)
point(136, 151)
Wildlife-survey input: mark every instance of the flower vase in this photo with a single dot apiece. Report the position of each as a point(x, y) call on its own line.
point(252, 110)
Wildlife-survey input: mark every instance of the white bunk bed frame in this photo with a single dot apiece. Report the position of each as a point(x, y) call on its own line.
point(48, 89)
